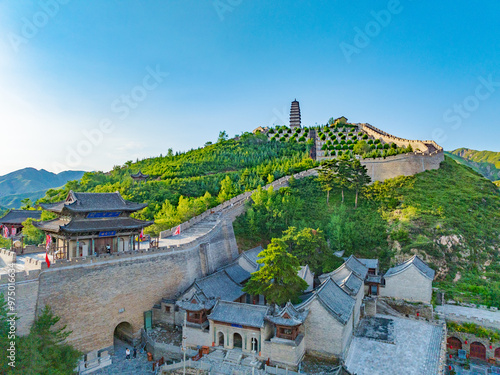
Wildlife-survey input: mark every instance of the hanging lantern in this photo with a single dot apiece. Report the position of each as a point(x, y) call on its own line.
point(491, 346)
point(451, 356)
point(465, 341)
point(418, 314)
point(449, 367)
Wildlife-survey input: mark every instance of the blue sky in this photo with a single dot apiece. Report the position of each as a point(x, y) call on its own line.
point(77, 89)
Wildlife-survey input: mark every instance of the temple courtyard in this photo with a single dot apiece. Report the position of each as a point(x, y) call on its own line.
point(387, 345)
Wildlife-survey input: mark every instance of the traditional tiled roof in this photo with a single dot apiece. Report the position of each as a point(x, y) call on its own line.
point(370, 263)
point(423, 268)
point(139, 175)
point(253, 254)
point(237, 273)
point(335, 300)
point(356, 266)
point(19, 216)
point(288, 316)
point(242, 314)
point(191, 306)
point(377, 279)
point(303, 272)
point(91, 225)
point(93, 202)
point(346, 276)
point(219, 285)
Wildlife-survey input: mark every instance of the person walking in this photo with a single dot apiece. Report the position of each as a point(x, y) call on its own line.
point(127, 353)
point(135, 352)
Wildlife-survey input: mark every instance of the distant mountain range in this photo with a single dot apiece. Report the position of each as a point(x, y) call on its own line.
point(486, 163)
point(31, 183)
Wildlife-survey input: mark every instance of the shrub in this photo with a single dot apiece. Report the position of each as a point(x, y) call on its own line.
point(283, 139)
point(366, 137)
point(302, 139)
point(271, 131)
point(324, 147)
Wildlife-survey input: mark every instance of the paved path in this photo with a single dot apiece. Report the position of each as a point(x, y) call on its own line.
point(469, 312)
point(122, 366)
point(415, 351)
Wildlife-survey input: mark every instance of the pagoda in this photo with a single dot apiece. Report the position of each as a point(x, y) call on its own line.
point(295, 115)
point(92, 224)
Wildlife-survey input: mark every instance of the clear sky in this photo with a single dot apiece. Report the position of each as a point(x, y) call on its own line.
point(87, 84)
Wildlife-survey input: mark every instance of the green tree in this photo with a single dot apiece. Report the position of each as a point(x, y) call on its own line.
point(26, 204)
point(327, 176)
point(32, 235)
point(359, 178)
point(277, 279)
point(344, 174)
point(309, 246)
point(228, 190)
point(361, 148)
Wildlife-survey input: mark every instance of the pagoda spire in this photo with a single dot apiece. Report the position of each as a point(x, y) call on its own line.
point(295, 115)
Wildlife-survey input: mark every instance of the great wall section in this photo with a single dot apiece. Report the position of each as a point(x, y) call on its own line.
point(93, 295)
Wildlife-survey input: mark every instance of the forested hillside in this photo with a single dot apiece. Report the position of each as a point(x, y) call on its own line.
point(451, 217)
point(485, 162)
point(183, 185)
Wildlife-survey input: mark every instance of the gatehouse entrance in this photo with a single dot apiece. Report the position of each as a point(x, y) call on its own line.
point(237, 341)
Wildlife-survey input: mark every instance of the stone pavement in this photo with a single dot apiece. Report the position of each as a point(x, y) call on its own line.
point(122, 366)
point(415, 351)
point(469, 312)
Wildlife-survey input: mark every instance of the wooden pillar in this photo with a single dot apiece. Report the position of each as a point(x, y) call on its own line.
point(93, 246)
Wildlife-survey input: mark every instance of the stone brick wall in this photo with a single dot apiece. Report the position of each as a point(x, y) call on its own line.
point(401, 165)
point(93, 296)
point(324, 335)
point(409, 285)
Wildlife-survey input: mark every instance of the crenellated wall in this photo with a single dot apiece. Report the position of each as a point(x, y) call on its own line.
point(92, 296)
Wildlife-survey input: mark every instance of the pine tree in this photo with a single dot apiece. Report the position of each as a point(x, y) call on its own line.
point(359, 178)
point(277, 279)
point(327, 176)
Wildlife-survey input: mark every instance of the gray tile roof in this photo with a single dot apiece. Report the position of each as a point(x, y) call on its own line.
point(18, 216)
point(335, 300)
point(242, 314)
point(417, 262)
point(295, 317)
point(237, 273)
point(92, 225)
point(253, 254)
point(219, 285)
point(345, 278)
point(93, 202)
point(356, 266)
point(370, 263)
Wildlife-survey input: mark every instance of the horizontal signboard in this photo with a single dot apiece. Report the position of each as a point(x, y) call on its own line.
point(109, 233)
point(95, 215)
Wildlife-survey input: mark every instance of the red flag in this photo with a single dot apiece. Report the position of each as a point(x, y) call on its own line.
point(5, 231)
point(48, 241)
point(177, 231)
point(141, 236)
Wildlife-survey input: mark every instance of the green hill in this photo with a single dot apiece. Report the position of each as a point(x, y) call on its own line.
point(183, 185)
point(450, 217)
point(31, 183)
point(486, 163)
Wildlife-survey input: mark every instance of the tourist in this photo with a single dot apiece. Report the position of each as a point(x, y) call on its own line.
point(135, 352)
point(108, 249)
point(127, 353)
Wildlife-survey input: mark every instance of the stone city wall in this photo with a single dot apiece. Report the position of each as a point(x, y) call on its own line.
point(92, 296)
